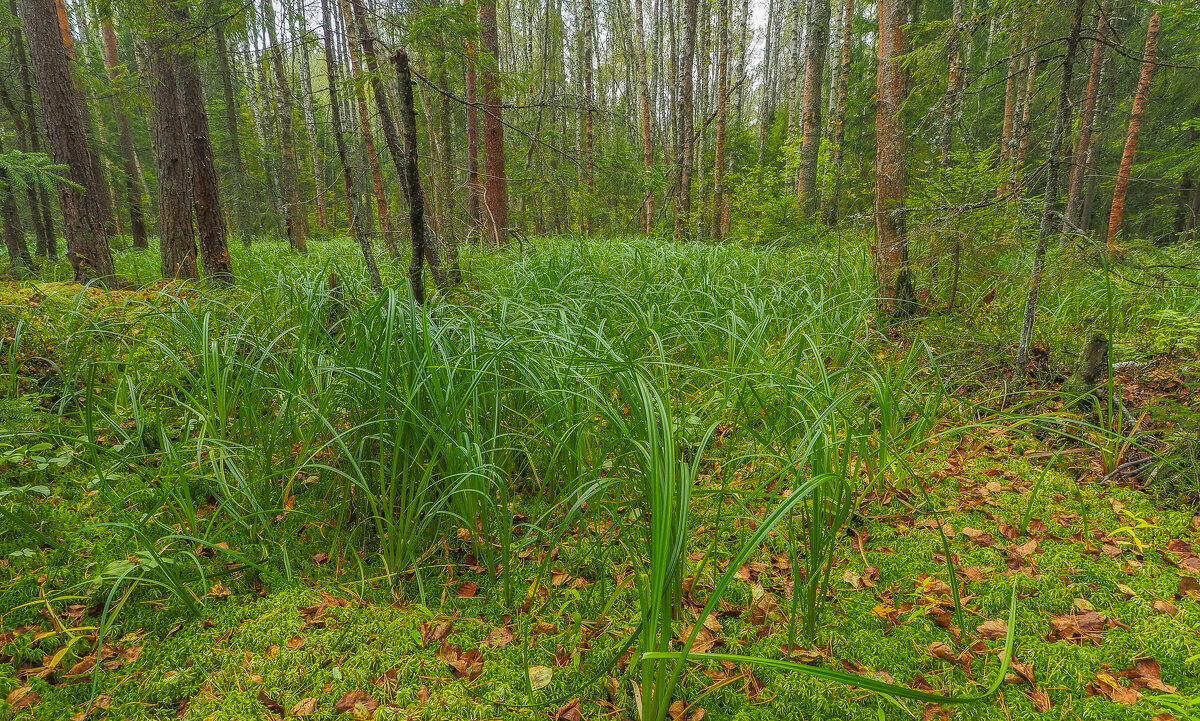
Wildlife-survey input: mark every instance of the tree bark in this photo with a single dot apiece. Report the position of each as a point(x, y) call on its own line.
point(381, 205)
point(297, 216)
point(1025, 126)
point(764, 118)
point(644, 98)
point(589, 161)
point(39, 203)
point(133, 189)
point(176, 240)
point(839, 124)
point(100, 195)
point(1083, 146)
point(353, 206)
point(816, 48)
point(954, 81)
point(404, 162)
point(474, 190)
point(206, 195)
point(1010, 109)
point(687, 54)
point(83, 218)
point(495, 189)
point(231, 129)
point(23, 141)
point(308, 107)
point(1121, 189)
point(723, 12)
point(411, 175)
point(1050, 221)
point(896, 297)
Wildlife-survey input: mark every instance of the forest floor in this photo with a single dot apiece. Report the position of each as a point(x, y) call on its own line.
point(1106, 572)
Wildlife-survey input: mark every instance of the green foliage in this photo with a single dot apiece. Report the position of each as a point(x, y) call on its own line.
point(23, 169)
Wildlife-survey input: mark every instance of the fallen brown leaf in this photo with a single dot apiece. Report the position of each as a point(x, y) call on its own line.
point(359, 704)
point(269, 702)
point(981, 538)
point(569, 712)
point(1041, 699)
point(500, 636)
point(463, 664)
point(992, 630)
point(1108, 687)
point(304, 707)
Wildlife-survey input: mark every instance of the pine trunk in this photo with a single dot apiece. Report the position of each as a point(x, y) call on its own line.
point(495, 188)
point(39, 202)
point(133, 189)
point(411, 175)
point(954, 81)
point(349, 176)
point(1083, 146)
point(294, 210)
point(82, 210)
point(839, 123)
point(231, 129)
point(687, 54)
point(816, 48)
point(381, 204)
point(764, 118)
point(206, 195)
point(1050, 220)
point(647, 128)
point(474, 190)
point(893, 276)
point(176, 240)
point(1121, 189)
point(718, 205)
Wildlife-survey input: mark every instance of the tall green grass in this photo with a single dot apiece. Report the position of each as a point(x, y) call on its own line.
point(589, 378)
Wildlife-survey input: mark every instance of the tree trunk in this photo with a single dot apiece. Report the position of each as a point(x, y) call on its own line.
point(687, 54)
point(310, 126)
point(294, 210)
point(718, 205)
point(100, 194)
point(133, 189)
point(764, 118)
point(1117, 214)
point(589, 102)
point(954, 81)
point(39, 203)
point(176, 239)
point(816, 48)
point(23, 141)
point(411, 175)
point(495, 190)
point(839, 123)
point(474, 190)
point(1083, 147)
point(1010, 110)
point(206, 195)
point(894, 278)
point(381, 204)
point(83, 218)
point(353, 206)
point(14, 233)
point(1025, 128)
point(1049, 220)
point(231, 128)
point(448, 245)
point(404, 162)
point(644, 97)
